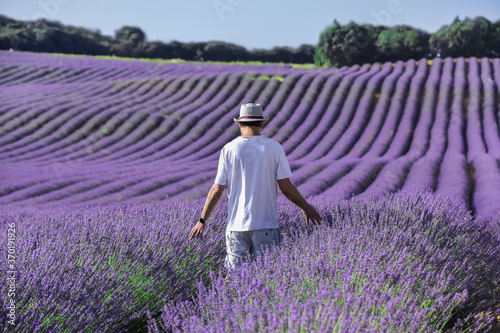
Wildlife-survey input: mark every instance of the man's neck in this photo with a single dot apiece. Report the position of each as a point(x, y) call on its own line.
point(251, 131)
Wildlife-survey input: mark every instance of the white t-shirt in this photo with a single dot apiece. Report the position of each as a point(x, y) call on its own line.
point(250, 167)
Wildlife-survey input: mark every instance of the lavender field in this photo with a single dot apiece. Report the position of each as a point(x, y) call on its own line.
point(84, 131)
point(104, 165)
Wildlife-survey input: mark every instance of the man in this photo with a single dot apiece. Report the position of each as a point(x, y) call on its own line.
point(252, 167)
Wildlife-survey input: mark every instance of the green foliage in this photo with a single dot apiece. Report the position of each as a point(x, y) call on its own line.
point(129, 34)
point(302, 55)
point(341, 45)
point(220, 51)
point(346, 45)
point(476, 37)
point(49, 36)
point(495, 35)
point(402, 42)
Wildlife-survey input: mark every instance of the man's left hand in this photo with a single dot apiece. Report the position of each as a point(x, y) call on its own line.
point(197, 231)
point(311, 215)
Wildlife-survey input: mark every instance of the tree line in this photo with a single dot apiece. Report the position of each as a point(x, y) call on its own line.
point(339, 45)
point(54, 37)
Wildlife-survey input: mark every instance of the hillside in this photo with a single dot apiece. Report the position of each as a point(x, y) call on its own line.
point(85, 131)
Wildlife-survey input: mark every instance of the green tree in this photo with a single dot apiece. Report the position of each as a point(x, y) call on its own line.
point(467, 38)
point(220, 51)
point(346, 45)
point(304, 54)
point(129, 42)
point(402, 42)
point(495, 45)
point(127, 34)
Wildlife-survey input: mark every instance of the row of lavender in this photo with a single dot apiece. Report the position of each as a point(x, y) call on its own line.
point(407, 263)
point(88, 131)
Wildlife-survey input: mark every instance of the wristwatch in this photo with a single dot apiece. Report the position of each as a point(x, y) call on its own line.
point(202, 221)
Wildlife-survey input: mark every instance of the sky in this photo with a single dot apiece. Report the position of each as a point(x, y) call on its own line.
point(249, 23)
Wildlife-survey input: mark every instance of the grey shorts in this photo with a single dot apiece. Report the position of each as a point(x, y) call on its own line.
point(239, 244)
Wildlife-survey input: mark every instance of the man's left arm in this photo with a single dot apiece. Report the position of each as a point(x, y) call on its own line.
point(293, 194)
point(213, 198)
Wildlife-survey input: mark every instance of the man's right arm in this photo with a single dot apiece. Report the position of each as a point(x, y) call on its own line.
point(293, 194)
point(211, 202)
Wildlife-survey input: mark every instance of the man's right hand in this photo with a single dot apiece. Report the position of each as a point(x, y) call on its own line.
point(197, 231)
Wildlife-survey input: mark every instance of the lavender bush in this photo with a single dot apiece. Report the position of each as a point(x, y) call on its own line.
point(99, 269)
point(404, 263)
